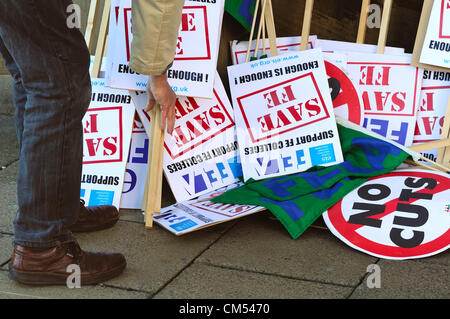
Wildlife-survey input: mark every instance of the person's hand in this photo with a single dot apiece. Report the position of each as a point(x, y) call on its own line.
point(159, 91)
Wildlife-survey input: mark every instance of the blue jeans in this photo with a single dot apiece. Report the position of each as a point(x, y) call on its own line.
point(50, 66)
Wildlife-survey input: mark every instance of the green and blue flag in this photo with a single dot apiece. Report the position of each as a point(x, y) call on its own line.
point(297, 200)
point(242, 11)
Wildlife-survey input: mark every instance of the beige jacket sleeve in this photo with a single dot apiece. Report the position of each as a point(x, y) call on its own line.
point(155, 26)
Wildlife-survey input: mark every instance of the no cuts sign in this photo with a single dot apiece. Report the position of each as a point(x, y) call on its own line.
point(401, 215)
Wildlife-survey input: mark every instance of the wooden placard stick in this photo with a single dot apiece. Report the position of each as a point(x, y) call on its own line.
point(430, 145)
point(270, 27)
point(255, 16)
point(306, 27)
point(386, 17)
point(361, 37)
point(101, 41)
point(444, 152)
point(154, 168)
point(91, 20)
point(260, 27)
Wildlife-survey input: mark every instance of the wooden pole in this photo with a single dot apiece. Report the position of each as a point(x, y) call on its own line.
point(444, 152)
point(363, 21)
point(387, 8)
point(154, 168)
point(101, 41)
point(271, 32)
point(255, 15)
point(91, 20)
point(261, 24)
point(306, 24)
point(431, 145)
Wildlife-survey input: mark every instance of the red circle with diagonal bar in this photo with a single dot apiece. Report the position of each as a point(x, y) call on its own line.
point(348, 97)
point(377, 241)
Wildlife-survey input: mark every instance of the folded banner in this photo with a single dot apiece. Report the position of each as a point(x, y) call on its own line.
point(297, 200)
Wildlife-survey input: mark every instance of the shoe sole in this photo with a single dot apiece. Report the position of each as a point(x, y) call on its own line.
point(50, 279)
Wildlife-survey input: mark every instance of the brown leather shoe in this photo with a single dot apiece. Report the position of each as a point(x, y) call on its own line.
point(93, 218)
point(48, 267)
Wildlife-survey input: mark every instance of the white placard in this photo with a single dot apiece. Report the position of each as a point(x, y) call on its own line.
point(436, 46)
point(284, 44)
point(336, 46)
point(390, 90)
point(194, 67)
point(136, 171)
point(433, 103)
point(196, 214)
point(201, 155)
point(107, 128)
point(284, 114)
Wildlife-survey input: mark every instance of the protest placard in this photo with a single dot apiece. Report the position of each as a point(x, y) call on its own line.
point(284, 114)
point(193, 70)
point(107, 128)
point(390, 90)
point(401, 215)
point(201, 155)
point(136, 170)
point(436, 45)
point(189, 216)
point(434, 96)
point(337, 46)
point(284, 44)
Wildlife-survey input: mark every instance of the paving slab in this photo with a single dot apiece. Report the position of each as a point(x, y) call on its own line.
point(201, 281)
point(8, 200)
point(8, 143)
point(6, 95)
point(407, 280)
point(6, 249)
point(154, 256)
point(259, 243)
point(10, 289)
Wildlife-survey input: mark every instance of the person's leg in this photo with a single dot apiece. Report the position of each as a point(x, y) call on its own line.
point(53, 62)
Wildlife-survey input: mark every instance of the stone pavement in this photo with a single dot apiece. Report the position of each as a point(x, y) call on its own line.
point(253, 257)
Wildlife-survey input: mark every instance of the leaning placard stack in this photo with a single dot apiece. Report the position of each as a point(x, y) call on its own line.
point(312, 127)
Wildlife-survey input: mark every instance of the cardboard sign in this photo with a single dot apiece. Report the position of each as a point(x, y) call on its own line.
point(201, 155)
point(436, 46)
point(390, 90)
point(189, 216)
point(136, 171)
point(107, 129)
point(346, 100)
point(285, 44)
point(402, 215)
point(342, 46)
point(284, 114)
point(193, 70)
point(432, 108)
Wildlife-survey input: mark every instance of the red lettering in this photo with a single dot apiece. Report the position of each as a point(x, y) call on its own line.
point(111, 147)
point(91, 124)
point(427, 102)
point(370, 75)
point(398, 101)
point(273, 97)
point(187, 22)
point(219, 117)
